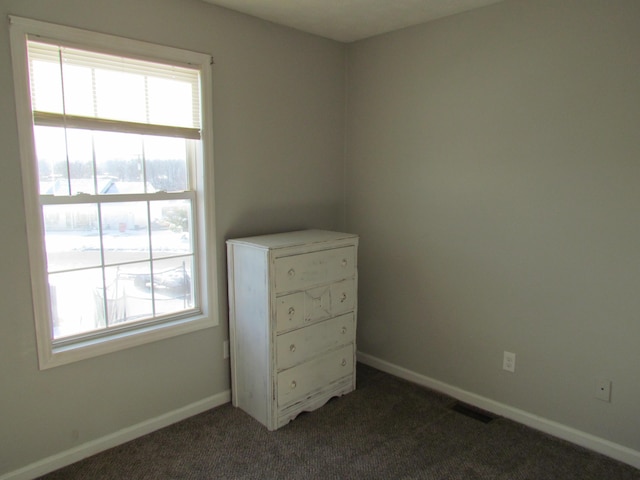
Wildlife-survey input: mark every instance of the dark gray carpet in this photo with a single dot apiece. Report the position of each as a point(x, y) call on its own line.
point(386, 429)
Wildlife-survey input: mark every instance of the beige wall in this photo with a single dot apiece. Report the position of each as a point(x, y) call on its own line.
point(279, 100)
point(493, 169)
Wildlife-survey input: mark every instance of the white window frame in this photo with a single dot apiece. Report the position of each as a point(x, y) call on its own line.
point(50, 355)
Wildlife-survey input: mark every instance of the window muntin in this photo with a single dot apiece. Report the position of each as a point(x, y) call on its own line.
point(154, 283)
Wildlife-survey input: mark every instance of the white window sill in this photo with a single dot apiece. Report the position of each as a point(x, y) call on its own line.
point(81, 350)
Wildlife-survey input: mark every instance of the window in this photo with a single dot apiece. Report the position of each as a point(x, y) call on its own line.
point(113, 148)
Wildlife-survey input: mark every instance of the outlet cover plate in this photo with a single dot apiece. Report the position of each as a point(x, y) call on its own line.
point(603, 389)
point(509, 362)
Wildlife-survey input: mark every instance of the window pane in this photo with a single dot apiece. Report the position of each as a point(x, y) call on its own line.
point(77, 304)
point(166, 163)
point(128, 293)
point(51, 151)
point(173, 288)
point(125, 232)
point(72, 238)
point(171, 228)
point(119, 162)
point(80, 154)
point(65, 159)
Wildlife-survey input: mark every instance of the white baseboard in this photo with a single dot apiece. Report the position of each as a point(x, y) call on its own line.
point(87, 449)
point(586, 440)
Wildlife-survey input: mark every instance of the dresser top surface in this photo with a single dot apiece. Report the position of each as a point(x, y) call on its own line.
point(292, 239)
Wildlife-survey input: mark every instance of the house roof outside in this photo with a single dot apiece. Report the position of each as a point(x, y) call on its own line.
point(106, 186)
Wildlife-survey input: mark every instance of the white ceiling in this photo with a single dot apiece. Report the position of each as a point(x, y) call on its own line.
point(350, 20)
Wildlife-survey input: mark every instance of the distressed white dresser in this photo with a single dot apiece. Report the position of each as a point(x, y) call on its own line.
point(292, 302)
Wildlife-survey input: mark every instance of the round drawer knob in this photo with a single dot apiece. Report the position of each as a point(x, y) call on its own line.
point(344, 362)
point(344, 262)
point(292, 348)
point(293, 385)
point(343, 297)
point(292, 311)
point(344, 330)
point(292, 273)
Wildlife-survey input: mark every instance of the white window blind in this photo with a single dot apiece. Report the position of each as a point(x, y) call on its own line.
point(97, 91)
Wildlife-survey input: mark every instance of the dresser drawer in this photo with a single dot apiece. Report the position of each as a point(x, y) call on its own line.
point(290, 311)
point(299, 382)
point(302, 308)
point(299, 272)
point(297, 346)
point(343, 296)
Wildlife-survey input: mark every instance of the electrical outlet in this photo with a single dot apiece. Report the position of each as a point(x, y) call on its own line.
point(225, 349)
point(603, 389)
point(509, 362)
